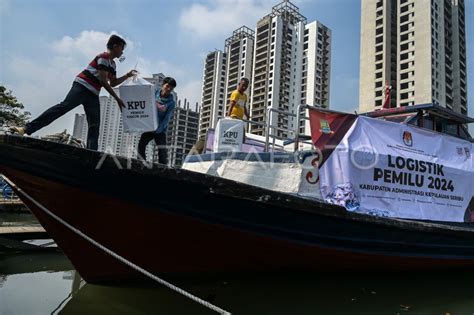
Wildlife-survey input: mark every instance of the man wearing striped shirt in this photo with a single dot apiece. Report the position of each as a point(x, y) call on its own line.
point(85, 90)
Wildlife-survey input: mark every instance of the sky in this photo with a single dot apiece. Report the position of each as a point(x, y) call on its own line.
point(45, 44)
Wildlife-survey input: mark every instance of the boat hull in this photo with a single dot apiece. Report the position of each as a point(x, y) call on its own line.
point(179, 223)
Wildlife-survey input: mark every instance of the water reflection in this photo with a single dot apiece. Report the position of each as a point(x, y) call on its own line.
point(46, 283)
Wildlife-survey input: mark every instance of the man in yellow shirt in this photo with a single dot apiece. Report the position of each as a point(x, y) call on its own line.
point(238, 100)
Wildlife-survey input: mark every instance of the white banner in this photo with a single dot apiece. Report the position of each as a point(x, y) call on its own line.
point(398, 170)
point(139, 114)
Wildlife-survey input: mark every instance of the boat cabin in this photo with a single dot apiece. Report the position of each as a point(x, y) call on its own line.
point(428, 116)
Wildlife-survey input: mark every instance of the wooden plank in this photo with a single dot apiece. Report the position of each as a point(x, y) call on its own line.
point(10, 202)
point(23, 233)
point(21, 229)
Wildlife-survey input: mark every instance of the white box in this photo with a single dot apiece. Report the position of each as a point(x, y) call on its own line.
point(139, 114)
point(229, 135)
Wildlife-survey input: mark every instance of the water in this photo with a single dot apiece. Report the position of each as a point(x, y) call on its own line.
point(46, 283)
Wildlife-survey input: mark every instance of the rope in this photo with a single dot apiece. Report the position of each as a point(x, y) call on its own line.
point(122, 259)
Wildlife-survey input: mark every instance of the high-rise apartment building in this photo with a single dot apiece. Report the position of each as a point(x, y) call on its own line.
point(287, 62)
point(213, 91)
point(315, 81)
point(277, 67)
point(110, 133)
point(418, 47)
point(80, 128)
point(182, 133)
point(239, 52)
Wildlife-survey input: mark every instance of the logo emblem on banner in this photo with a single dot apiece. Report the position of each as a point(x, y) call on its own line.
point(325, 128)
point(407, 138)
point(468, 152)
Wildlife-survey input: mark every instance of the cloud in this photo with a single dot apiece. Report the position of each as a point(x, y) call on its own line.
point(86, 45)
point(219, 18)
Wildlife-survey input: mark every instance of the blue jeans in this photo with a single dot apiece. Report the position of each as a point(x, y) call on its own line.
point(78, 94)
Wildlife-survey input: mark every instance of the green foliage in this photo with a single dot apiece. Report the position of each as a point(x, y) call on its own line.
point(11, 111)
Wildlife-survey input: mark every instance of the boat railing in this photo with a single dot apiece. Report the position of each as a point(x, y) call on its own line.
point(300, 115)
point(271, 130)
point(301, 107)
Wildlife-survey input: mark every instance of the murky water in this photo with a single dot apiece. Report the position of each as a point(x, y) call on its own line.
point(46, 283)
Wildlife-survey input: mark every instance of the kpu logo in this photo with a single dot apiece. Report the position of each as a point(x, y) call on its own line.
point(407, 138)
point(230, 134)
point(136, 105)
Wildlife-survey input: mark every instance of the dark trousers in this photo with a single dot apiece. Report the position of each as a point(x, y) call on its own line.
point(78, 94)
point(160, 140)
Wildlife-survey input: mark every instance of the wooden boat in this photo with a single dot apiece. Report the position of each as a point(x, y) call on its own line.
point(173, 221)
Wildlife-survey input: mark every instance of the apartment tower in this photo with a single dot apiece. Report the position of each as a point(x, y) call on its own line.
point(292, 61)
point(80, 129)
point(182, 133)
point(213, 91)
point(418, 47)
point(239, 52)
point(316, 68)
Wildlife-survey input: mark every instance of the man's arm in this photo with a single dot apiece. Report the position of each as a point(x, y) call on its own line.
point(232, 104)
point(114, 81)
point(104, 80)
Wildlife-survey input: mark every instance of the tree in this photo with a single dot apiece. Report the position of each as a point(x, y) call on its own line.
point(11, 111)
